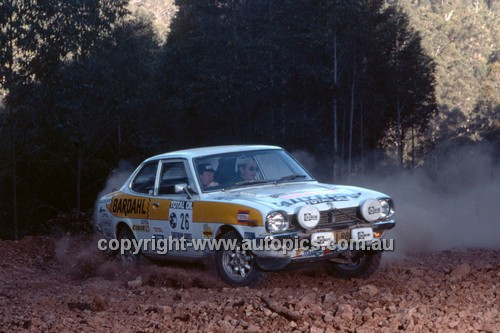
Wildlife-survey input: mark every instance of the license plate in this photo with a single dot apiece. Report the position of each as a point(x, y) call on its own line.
point(326, 238)
point(342, 235)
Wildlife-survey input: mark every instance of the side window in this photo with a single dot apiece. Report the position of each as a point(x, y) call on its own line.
point(172, 173)
point(144, 181)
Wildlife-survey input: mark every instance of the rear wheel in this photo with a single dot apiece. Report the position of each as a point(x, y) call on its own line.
point(236, 267)
point(363, 265)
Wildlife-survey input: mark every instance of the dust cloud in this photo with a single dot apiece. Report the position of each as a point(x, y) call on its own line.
point(115, 181)
point(80, 259)
point(117, 178)
point(456, 206)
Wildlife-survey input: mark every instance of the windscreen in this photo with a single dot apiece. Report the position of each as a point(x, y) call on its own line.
point(232, 170)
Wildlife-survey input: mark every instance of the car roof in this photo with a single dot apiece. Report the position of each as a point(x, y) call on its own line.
point(205, 151)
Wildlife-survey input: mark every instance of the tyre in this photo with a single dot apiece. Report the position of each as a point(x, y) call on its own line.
point(236, 267)
point(128, 257)
point(363, 265)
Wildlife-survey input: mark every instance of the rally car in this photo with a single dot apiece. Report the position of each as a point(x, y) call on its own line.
point(241, 193)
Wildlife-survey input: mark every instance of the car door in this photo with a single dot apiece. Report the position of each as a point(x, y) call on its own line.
point(136, 205)
point(171, 213)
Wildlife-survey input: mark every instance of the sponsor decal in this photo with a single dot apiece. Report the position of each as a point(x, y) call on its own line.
point(373, 210)
point(180, 214)
point(181, 205)
point(207, 231)
point(140, 227)
point(243, 216)
point(143, 227)
point(312, 253)
point(157, 229)
point(361, 235)
point(155, 236)
point(173, 220)
point(129, 206)
point(179, 235)
point(310, 217)
point(317, 199)
point(249, 235)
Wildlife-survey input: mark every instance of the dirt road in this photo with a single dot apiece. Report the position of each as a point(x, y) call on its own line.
point(64, 285)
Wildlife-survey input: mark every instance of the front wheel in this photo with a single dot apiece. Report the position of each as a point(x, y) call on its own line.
point(236, 266)
point(363, 265)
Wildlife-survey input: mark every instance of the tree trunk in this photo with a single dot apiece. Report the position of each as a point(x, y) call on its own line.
point(119, 129)
point(79, 148)
point(335, 130)
point(399, 136)
point(342, 159)
point(12, 134)
point(349, 163)
point(78, 176)
point(361, 150)
point(412, 148)
point(241, 119)
point(271, 77)
point(14, 173)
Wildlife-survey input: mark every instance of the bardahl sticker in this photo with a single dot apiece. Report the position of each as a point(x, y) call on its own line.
point(129, 206)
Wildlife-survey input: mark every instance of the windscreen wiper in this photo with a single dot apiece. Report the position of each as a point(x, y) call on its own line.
point(290, 177)
point(245, 183)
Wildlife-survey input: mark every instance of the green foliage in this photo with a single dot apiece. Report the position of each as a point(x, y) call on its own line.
point(462, 37)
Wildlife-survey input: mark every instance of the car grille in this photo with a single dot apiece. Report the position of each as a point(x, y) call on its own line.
point(343, 217)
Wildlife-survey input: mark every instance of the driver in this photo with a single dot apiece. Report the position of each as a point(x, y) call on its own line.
point(207, 175)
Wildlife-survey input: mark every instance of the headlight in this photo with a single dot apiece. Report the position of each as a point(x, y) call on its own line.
point(387, 208)
point(276, 221)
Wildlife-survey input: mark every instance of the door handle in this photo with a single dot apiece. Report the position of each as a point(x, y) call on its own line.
point(156, 204)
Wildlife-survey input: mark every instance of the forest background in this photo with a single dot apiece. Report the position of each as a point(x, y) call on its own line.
point(92, 87)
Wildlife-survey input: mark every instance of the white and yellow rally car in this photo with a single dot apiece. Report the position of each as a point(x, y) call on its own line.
point(257, 195)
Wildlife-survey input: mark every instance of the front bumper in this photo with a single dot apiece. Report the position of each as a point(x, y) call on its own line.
point(296, 238)
point(384, 225)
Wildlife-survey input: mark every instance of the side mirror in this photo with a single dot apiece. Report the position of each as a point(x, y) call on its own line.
point(184, 188)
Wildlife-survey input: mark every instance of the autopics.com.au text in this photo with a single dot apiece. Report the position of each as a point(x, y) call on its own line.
point(163, 246)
